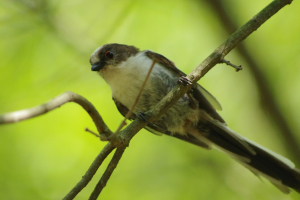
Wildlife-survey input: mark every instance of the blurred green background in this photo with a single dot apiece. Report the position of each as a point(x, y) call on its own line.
point(44, 51)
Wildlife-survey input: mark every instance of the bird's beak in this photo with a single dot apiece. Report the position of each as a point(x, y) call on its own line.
point(97, 66)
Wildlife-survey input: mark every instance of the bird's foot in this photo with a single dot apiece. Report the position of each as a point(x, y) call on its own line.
point(143, 116)
point(184, 80)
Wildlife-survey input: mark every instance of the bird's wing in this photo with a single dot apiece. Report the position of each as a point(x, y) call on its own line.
point(214, 102)
point(206, 101)
point(159, 129)
point(123, 109)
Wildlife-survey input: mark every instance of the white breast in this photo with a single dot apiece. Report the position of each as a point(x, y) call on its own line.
point(126, 79)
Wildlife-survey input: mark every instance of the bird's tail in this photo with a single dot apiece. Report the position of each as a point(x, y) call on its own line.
point(277, 169)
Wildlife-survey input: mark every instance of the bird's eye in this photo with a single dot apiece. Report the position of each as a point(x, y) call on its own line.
point(109, 55)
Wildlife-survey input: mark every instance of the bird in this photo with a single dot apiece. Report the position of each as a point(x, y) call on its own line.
point(193, 118)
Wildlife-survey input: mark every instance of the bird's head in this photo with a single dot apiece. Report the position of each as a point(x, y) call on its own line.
point(110, 55)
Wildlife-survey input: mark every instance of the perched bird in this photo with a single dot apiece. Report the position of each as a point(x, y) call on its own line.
point(193, 118)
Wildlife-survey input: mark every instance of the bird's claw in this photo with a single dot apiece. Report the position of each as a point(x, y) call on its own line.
point(185, 80)
point(143, 116)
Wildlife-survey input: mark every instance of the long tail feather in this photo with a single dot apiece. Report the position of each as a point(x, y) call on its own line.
point(261, 161)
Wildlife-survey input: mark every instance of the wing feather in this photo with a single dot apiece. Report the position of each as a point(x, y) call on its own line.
point(206, 101)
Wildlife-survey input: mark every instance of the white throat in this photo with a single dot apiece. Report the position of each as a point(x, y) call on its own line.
point(126, 78)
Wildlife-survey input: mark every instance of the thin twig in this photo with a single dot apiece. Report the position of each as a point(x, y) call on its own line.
point(56, 102)
point(237, 68)
point(109, 147)
point(123, 123)
point(109, 170)
point(91, 132)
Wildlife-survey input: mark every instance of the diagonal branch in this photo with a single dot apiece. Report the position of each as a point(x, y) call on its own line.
point(217, 56)
point(108, 172)
point(267, 97)
point(90, 172)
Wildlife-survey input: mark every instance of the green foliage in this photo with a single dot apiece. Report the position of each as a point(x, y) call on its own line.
point(44, 51)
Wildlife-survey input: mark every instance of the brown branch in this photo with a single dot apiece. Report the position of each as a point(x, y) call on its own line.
point(238, 36)
point(268, 99)
point(90, 172)
point(55, 103)
point(109, 170)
